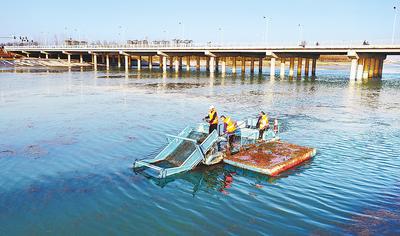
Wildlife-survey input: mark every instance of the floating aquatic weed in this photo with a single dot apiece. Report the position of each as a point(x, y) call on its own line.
point(7, 153)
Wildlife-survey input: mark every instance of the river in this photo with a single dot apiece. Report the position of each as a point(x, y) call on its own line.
point(68, 139)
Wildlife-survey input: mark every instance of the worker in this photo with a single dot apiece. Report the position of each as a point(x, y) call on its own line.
point(212, 119)
point(230, 127)
point(262, 124)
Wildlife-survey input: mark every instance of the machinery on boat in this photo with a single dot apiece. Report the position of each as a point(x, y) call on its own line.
point(194, 145)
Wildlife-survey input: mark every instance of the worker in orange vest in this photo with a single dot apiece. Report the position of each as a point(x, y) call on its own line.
point(262, 124)
point(212, 119)
point(230, 127)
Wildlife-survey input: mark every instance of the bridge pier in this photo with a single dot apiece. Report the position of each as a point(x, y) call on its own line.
point(353, 68)
point(212, 64)
point(251, 65)
point(272, 66)
point(207, 64)
point(94, 59)
point(234, 65)
point(313, 66)
point(260, 65)
point(282, 71)
point(176, 64)
point(366, 68)
point(307, 67)
point(126, 62)
point(118, 61)
point(107, 62)
point(150, 62)
point(223, 65)
point(164, 64)
point(171, 62)
point(243, 70)
point(180, 63)
point(291, 67)
point(81, 58)
point(139, 62)
point(188, 63)
point(299, 66)
point(197, 63)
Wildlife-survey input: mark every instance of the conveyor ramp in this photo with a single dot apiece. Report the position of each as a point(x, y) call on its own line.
point(183, 152)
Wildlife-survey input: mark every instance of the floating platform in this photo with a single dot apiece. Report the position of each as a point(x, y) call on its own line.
point(270, 158)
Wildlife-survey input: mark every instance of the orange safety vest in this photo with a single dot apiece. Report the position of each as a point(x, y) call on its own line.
point(264, 123)
point(230, 125)
point(211, 115)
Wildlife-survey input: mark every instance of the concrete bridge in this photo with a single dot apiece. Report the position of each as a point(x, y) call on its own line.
point(366, 61)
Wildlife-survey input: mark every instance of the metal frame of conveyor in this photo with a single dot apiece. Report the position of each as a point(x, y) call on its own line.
point(174, 141)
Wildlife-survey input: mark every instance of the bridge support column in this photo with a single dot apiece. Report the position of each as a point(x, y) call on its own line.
point(381, 60)
point(282, 74)
point(212, 64)
point(80, 58)
point(376, 67)
point(171, 62)
point(307, 67)
point(299, 66)
point(139, 63)
point(69, 58)
point(198, 63)
point(95, 61)
point(291, 67)
point(180, 63)
point(272, 69)
point(164, 64)
point(107, 62)
point(371, 67)
point(234, 65)
point(360, 69)
point(367, 62)
point(243, 65)
point(260, 65)
point(223, 65)
point(150, 62)
point(188, 63)
point(47, 56)
point(251, 65)
point(313, 66)
point(207, 64)
point(119, 61)
point(58, 56)
point(176, 64)
point(216, 63)
point(353, 69)
point(126, 62)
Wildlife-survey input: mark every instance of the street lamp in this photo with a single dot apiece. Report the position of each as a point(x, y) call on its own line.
point(183, 29)
point(394, 23)
point(300, 32)
point(267, 19)
point(220, 35)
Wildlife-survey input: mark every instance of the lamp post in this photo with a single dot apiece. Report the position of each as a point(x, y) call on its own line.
point(300, 32)
point(182, 29)
point(267, 19)
point(394, 23)
point(220, 35)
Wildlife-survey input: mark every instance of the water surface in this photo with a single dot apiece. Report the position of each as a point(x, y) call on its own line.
point(68, 139)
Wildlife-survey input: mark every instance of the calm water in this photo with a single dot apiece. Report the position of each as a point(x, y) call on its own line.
point(68, 140)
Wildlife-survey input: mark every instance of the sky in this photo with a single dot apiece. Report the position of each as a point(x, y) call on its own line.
point(217, 21)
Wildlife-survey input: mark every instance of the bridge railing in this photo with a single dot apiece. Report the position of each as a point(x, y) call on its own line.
point(226, 45)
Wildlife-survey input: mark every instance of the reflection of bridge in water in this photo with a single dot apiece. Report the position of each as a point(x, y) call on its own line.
point(366, 61)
